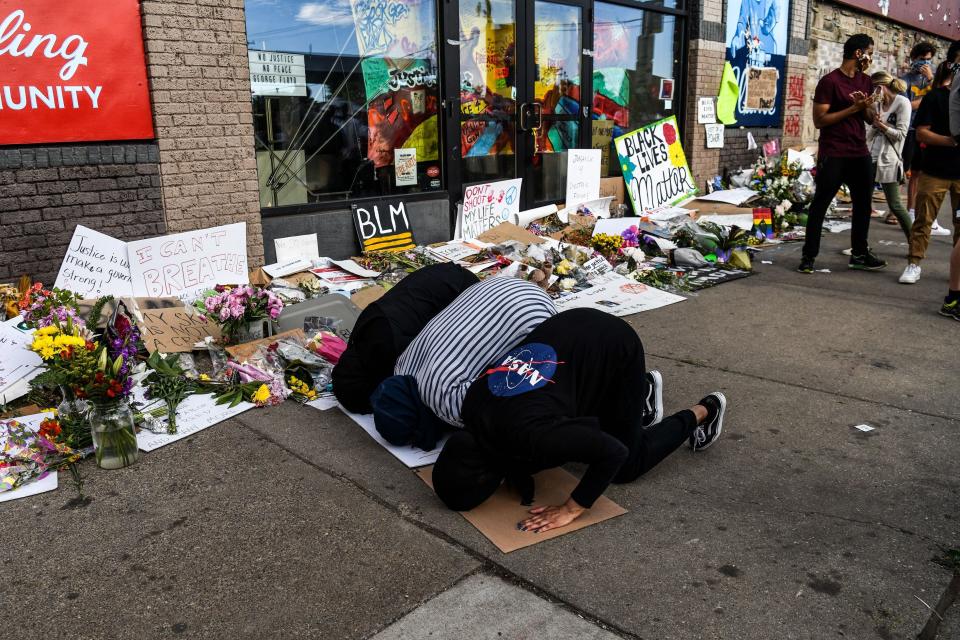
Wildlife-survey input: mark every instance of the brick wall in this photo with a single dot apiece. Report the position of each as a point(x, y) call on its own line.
point(45, 192)
point(706, 65)
point(830, 26)
point(197, 62)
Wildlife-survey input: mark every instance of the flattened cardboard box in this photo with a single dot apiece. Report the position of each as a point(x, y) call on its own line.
point(497, 518)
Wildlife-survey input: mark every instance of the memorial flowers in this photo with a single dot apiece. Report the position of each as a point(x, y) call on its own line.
point(42, 307)
point(28, 454)
point(777, 179)
point(234, 308)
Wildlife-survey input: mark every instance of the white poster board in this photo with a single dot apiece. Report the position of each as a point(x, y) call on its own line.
point(409, 455)
point(196, 413)
point(714, 135)
point(16, 360)
point(583, 176)
point(487, 205)
point(297, 248)
point(184, 265)
point(617, 296)
point(95, 265)
point(273, 73)
point(706, 111)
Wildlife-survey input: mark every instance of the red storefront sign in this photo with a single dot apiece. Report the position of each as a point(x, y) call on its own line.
point(941, 17)
point(72, 71)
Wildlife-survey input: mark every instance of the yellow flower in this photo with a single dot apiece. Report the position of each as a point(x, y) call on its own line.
point(47, 331)
point(262, 394)
point(204, 377)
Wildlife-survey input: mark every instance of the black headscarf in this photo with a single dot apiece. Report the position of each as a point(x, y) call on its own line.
point(465, 475)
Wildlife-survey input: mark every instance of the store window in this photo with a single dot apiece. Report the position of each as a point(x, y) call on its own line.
point(636, 72)
point(345, 98)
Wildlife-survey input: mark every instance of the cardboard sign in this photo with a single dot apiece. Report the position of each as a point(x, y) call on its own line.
point(405, 166)
point(498, 516)
point(761, 87)
point(714, 135)
point(601, 135)
point(706, 112)
point(242, 352)
point(654, 165)
point(72, 73)
point(363, 298)
point(297, 247)
point(174, 330)
point(487, 205)
point(383, 227)
point(95, 265)
point(506, 231)
point(583, 175)
point(184, 265)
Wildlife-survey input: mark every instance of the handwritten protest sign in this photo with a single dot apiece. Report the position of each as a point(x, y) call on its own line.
point(714, 135)
point(186, 264)
point(196, 413)
point(601, 135)
point(761, 87)
point(174, 330)
point(95, 265)
point(487, 205)
point(383, 227)
point(16, 359)
point(654, 166)
point(297, 248)
point(583, 175)
point(706, 112)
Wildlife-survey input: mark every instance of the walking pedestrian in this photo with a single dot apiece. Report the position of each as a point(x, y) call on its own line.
point(842, 105)
point(885, 138)
point(941, 170)
point(951, 304)
point(568, 393)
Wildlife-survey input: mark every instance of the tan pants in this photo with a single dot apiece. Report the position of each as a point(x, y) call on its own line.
point(930, 194)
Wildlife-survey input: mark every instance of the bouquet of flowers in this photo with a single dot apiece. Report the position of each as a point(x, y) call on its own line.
point(234, 307)
point(42, 307)
point(777, 180)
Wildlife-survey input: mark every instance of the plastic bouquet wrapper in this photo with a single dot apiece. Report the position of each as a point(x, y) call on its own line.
point(315, 324)
point(328, 346)
point(288, 292)
point(27, 455)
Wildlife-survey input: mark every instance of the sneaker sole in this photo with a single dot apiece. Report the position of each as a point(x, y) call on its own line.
point(723, 411)
point(949, 315)
point(902, 281)
point(806, 271)
point(657, 397)
point(861, 267)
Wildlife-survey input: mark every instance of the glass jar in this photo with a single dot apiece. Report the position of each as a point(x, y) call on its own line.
point(114, 437)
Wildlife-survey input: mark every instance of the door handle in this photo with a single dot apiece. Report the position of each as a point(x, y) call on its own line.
point(531, 116)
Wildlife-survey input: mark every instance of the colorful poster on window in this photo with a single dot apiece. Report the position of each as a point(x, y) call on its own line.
point(654, 166)
point(757, 50)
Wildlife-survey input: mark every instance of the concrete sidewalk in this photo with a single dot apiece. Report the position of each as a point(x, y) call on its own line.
point(290, 522)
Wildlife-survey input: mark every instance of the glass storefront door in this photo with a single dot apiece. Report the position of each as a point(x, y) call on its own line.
point(522, 72)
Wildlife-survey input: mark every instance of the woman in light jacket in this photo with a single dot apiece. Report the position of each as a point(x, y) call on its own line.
point(885, 138)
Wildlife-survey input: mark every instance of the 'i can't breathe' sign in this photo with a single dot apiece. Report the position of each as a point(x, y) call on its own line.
point(654, 166)
point(72, 72)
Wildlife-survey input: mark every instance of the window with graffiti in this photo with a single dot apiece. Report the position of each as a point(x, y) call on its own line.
point(345, 98)
point(636, 73)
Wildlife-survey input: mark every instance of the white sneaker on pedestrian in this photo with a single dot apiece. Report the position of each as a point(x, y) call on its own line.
point(911, 274)
point(847, 252)
point(937, 230)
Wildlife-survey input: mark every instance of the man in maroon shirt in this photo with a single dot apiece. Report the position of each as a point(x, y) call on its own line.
point(842, 104)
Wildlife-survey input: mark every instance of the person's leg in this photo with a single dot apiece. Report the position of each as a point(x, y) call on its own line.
point(828, 181)
point(859, 179)
point(955, 209)
point(930, 194)
point(951, 303)
point(891, 191)
point(648, 447)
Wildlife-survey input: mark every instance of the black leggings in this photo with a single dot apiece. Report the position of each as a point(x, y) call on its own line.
point(623, 420)
point(857, 174)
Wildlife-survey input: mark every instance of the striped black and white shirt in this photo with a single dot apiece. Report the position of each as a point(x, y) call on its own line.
point(479, 326)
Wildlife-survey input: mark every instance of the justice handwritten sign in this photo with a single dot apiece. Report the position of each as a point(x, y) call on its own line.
point(184, 265)
point(487, 205)
point(95, 265)
point(383, 227)
point(71, 74)
point(583, 176)
point(654, 166)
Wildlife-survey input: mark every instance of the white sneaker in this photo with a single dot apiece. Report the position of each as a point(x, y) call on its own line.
point(911, 274)
point(847, 252)
point(937, 230)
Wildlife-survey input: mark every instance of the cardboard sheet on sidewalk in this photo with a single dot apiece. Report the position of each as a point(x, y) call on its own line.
point(508, 231)
point(497, 518)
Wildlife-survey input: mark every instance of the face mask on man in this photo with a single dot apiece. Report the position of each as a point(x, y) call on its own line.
point(920, 64)
point(863, 61)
